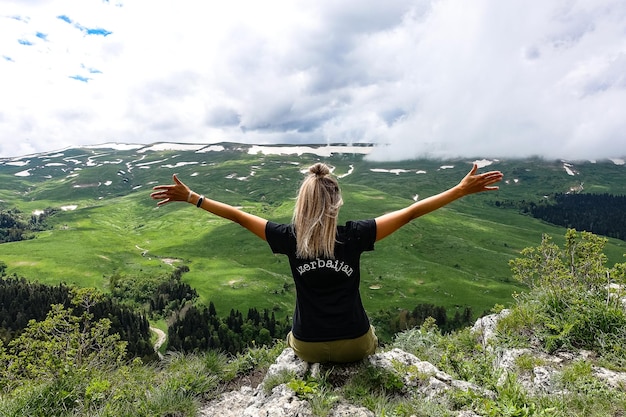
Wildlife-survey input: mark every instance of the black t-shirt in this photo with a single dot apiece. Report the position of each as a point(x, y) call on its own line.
point(328, 302)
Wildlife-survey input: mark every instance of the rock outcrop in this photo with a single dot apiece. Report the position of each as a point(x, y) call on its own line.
point(281, 401)
point(429, 381)
point(544, 376)
point(418, 377)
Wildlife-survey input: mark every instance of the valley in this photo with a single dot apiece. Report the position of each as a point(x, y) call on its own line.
point(107, 226)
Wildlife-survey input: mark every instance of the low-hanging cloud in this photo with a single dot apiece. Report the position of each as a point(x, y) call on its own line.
point(435, 78)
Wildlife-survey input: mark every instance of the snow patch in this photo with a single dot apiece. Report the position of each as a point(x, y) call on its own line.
point(568, 169)
point(617, 161)
point(18, 163)
point(483, 163)
point(234, 176)
point(325, 151)
point(115, 145)
point(150, 163)
point(23, 173)
point(69, 208)
point(179, 164)
point(392, 171)
point(446, 167)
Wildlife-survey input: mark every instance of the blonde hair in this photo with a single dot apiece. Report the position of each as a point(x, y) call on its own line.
point(315, 214)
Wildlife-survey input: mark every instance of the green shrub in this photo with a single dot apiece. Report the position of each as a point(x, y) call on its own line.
point(570, 305)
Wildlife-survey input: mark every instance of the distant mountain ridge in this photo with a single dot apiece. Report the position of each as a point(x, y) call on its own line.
point(282, 149)
point(320, 149)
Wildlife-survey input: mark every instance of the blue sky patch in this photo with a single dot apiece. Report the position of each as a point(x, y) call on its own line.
point(18, 18)
point(80, 78)
point(64, 18)
point(85, 30)
point(7, 58)
point(25, 42)
point(42, 35)
point(97, 31)
point(91, 70)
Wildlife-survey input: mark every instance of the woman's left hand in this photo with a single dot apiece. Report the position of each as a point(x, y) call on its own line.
point(475, 183)
point(169, 193)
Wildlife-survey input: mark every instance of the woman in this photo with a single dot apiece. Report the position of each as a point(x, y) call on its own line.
point(329, 321)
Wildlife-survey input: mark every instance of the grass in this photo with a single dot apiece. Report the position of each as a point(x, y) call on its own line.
point(180, 384)
point(455, 254)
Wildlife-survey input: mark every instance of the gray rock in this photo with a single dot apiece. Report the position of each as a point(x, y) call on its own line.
point(419, 377)
point(287, 362)
point(485, 327)
point(349, 410)
point(281, 402)
point(429, 380)
point(611, 378)
point(506, 358)
point(544, 378)
point(543, 381)
point(466, 413)
point(230, 404)
point(248, 402)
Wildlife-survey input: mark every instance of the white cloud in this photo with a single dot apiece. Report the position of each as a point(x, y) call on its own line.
point(442, 77)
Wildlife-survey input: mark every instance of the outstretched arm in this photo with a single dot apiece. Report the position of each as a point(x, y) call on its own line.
point(470, 184)
point(180, 192)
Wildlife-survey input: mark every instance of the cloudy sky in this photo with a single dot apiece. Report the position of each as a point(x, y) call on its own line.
point(486, 78)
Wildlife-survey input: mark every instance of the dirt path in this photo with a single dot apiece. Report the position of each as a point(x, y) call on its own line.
point(162, 337)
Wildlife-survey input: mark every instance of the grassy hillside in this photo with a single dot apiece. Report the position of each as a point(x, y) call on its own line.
point(108, 225)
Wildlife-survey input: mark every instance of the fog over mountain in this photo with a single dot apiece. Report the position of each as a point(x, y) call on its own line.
point(438, 78)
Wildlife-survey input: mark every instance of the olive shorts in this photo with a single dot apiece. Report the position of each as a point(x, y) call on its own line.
point(339, 351)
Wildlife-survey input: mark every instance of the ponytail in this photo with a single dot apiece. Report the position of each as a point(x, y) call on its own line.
point(315, 214)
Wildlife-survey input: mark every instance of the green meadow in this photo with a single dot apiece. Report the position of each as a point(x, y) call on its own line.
point(107, 224)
